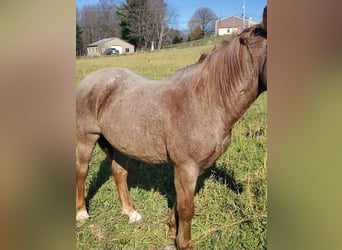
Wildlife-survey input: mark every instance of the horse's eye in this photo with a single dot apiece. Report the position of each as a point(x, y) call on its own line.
point(260, 32)
point(243, 41)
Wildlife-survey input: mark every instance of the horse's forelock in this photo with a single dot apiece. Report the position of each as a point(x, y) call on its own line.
point(253, 33)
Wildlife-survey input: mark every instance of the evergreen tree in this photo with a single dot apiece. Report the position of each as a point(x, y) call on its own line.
point(176, 40)
point(142, 22)
point(131, 15)
point(79, 41)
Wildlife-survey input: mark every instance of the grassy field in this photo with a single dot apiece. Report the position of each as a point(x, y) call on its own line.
point(231, 198)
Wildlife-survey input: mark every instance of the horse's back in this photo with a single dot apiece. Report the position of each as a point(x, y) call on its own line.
point(104, 78)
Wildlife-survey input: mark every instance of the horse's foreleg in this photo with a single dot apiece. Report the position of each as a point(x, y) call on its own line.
point(120, 177)
point(84, 149)
point(185, 177)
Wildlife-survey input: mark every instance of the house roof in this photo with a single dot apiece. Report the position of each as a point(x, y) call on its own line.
point(100, 42)
point(106, 40)
point(233, 22)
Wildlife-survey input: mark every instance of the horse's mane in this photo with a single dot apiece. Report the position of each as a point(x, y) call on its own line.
point(221, 72)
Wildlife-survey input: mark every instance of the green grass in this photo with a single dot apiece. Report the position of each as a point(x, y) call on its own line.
point(211, 41)
point(231, 202)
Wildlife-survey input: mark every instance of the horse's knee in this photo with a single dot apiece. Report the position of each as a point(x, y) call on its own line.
point(185, 210)
point(83, 155)
point(118, 171)
point(81, 172)
point(120, 176)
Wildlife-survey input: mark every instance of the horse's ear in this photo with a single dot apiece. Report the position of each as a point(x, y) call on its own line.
point(264, 18)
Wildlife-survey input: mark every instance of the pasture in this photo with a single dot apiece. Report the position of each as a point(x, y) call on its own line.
point(231, 198)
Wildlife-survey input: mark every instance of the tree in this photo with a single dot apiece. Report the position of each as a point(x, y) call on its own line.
point(202, 23)
point(177, 39)
point(166, 17)
point(143, 22)
point(138, 21)
point(195, 31)
point(174, 35)
point(108, 22)
point(131, 15)
point(158, 21)
point(79, 41)
point(98, 21)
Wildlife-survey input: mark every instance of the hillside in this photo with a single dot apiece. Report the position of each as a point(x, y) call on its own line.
point(213, 40)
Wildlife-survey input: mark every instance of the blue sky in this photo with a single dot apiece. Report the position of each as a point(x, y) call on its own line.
point(222, 8)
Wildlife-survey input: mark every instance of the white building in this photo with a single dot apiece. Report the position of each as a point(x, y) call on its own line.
point(230, 25)
point(98, 48)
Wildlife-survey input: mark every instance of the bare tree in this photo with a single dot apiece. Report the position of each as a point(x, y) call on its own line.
point(158, 21)
point(203, 20)
point(108, 21)
point(167, 18)
point(98, 21)
point(88, 16)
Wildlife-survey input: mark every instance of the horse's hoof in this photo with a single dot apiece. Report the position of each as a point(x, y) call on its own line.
point(170, 246)
point(82, 215)
point(134, 217)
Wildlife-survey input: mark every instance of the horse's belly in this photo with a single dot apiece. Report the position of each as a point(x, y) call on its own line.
point(147, 147)
point(143, 152)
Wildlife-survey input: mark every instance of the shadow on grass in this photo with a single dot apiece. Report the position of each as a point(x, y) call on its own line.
point(159, 177)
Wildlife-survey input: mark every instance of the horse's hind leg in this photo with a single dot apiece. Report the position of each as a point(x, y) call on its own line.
point(120, 174)
point(84, 148)
point(173, 222)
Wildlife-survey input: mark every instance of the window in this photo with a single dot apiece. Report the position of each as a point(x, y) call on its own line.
point(127, 50)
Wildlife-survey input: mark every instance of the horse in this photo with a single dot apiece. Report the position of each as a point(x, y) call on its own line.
point(185, 120)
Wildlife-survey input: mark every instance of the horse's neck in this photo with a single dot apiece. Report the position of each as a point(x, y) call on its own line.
point(239, 100)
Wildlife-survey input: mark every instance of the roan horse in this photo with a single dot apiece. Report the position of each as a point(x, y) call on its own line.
point(185, 120)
